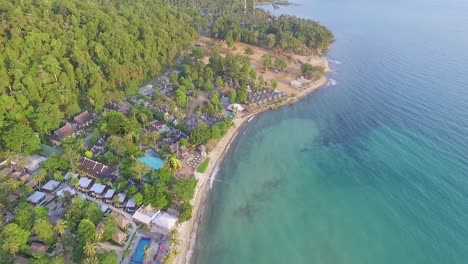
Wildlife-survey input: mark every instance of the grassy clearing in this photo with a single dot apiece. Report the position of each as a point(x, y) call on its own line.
point(203, 166)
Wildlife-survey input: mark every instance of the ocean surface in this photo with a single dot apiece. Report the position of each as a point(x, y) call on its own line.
point(373, 169)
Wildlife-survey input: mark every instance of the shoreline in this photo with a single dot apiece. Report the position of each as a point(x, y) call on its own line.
point(187, 231)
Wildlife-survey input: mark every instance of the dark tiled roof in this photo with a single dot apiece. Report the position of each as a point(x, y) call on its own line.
point(66, 131)
point(96, 169)
point(83, 118)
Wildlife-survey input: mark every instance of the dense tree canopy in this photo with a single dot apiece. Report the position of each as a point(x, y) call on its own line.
point(58, 57)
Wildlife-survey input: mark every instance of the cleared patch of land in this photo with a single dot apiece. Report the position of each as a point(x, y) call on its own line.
point(283, 78)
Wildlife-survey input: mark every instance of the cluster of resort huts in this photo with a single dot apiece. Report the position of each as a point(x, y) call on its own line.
point(23, 169)
point(265, 96)
point(172, 142)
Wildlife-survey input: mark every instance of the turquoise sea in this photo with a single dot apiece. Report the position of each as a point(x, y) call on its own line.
point(371, 170)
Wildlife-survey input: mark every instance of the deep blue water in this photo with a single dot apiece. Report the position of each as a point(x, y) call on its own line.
point(372, 170)
point(139, 254)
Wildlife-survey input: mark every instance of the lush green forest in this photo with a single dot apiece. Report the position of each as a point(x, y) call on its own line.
point(58, 57)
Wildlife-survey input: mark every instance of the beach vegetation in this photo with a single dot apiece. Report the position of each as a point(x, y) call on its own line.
point(185, 212)
point(184, 189)
point(203, 166)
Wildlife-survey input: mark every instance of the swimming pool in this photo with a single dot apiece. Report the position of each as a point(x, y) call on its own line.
point(151, 152)
point(140, 251)
point(229, 114)
point(154, 162)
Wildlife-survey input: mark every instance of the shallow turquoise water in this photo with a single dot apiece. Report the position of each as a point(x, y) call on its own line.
point(372, 170)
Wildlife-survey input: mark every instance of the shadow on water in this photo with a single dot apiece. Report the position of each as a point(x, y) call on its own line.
point(254, 202)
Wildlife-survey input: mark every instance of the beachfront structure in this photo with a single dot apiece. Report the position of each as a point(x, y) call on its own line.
point(37, 198)
point(235, 108)
point(165, 220)
point(98, 190)
point(50, 186)
point(145, 214)
point(84, 184)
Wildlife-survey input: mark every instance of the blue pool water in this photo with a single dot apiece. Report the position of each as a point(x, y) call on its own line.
point(151, 152)
point(229, 114)
point(154, 162)
point(140, 251)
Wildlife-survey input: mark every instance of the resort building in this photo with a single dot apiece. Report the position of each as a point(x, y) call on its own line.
point(83, 120)
point(37, 198)
point(29, 163)
point(165, 220)
point(145, 214)
point(60, 134)
point(84, 184)
point(26, 177)
point(98, 190)
point(99, 147)
point(146, 90)
point(64, 191)
point(109, 196)
point(157, 126)
point(121, 200)
point(123, 107)
point(122, 222)
point(235, 108)
point(130, 206)
point(119, 237)
point(50, 186)
point(100, 230)
point(96, 169)
point(70, 175)
point(105, 209)
point(38, 249)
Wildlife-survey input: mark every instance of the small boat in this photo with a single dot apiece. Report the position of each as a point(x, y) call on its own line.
point(250, 119)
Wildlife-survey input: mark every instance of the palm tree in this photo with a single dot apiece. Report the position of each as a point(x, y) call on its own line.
point(10, 246)
point(174, 163)
point(90, 249)
point(148, 253)
point(60, 227)
point(91, 260)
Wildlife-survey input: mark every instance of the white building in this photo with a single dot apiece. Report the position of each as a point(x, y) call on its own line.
point(145, 214)
point(165, 220)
